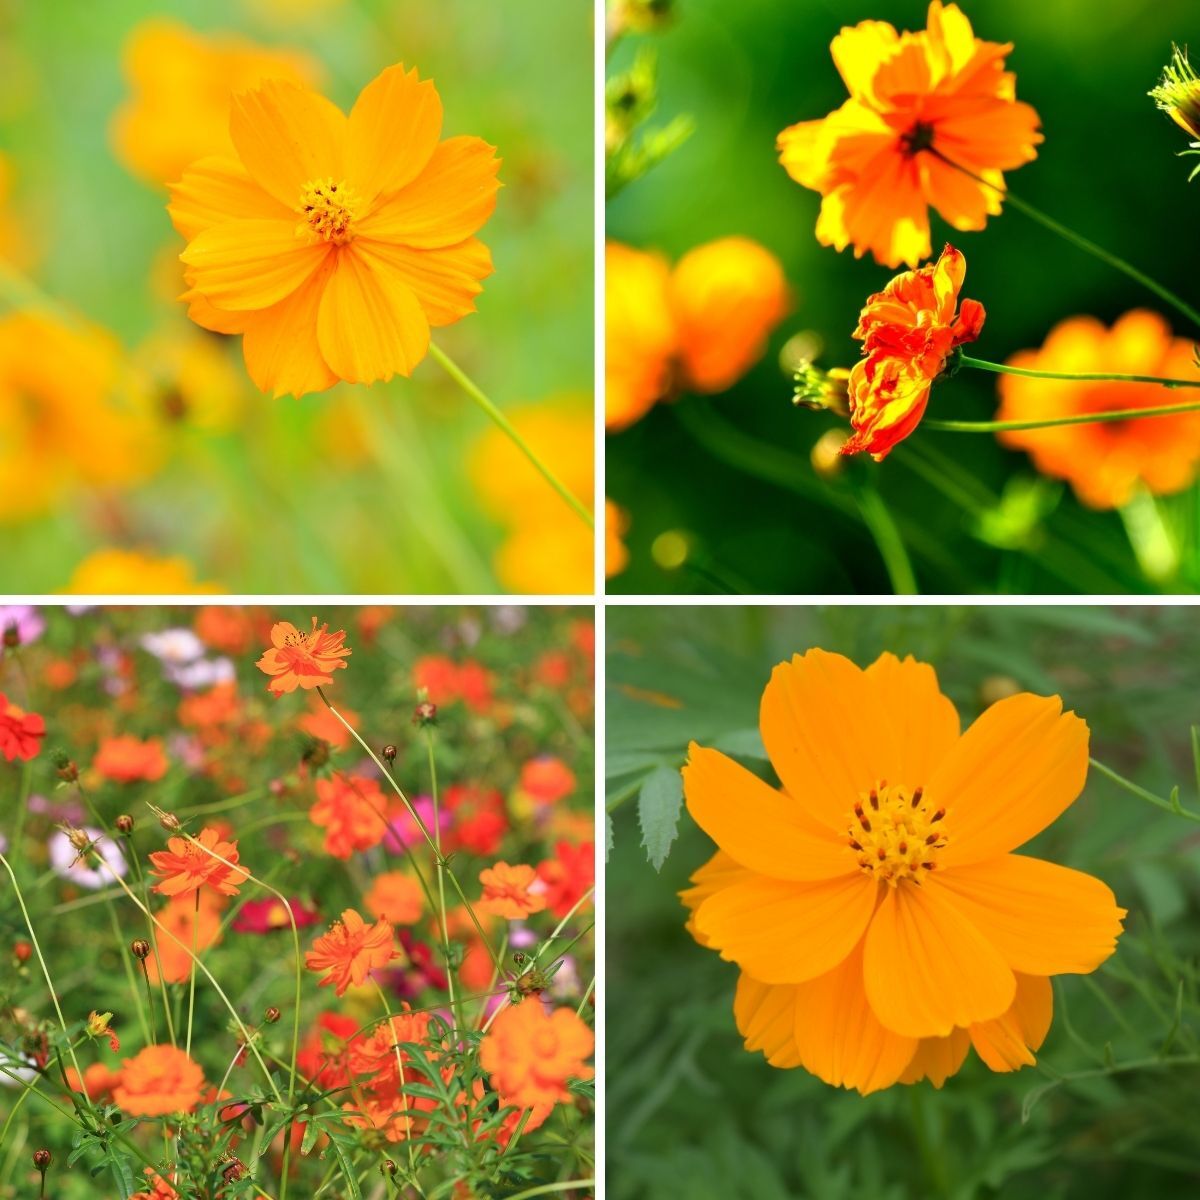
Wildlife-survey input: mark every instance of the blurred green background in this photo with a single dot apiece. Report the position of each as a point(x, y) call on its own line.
point(1107, 168)
point(691, 1113)
point(357, 489)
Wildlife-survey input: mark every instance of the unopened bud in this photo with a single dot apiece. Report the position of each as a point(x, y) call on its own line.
point(316, 754)
point(389, 752)
point(169, 821)
point(140, 948)
point(66, 768)
point(272, 1015)
point(12, 636)
point(41, 1160)
point(234, 1171)
point(826, 455)
point(425, 713)
point(125, 824)
point(388, 1167)
point(22, 952)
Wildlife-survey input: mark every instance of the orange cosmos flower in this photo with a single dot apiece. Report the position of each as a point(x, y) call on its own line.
point(916, 100)
point(162, 1190)
point(159, 1081)
point(333, 243)
point(21, 733)
point(875, 906)
point(1107, 462)
point(506, 891)
point(99, 1079)
point(305, 660)
point(530, 1056)
point(352, 811)
point(186, 866)
point(396, 898)
point(698, 327)
point(190, 925)
point(350, 951)
point(908, 331)
point(127, 759)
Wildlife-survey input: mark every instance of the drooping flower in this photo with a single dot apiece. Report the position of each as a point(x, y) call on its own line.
point(877, 910)
point(396, 897)
point(159, 1081)
point(333, 243)
point(350, 951)
point(186, 924)
point(305, 660)
point(908, 331)
point(128, 759)
point(1106, 462)
point(919, 102)
point(508, 891)
point(351, 809)
point(186, 866)
point(21, 733)
point(116, 572)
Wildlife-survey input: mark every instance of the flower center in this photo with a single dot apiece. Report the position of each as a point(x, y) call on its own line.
point(329, 210)
point(895, 833)
point(918, 138)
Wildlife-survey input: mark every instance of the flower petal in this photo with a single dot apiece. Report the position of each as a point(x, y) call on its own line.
point(1010, 775)
point(370, 326)
point(858, 50)
point(720, 871)
point(937, 1058)
point(215, 190)
point(757, 825)
point(925, 721)
point(766, 1018)
point(209, 317)
point(1007, 1043)
point(783, 932)
point(250, 264)
point(927, 968)
point(445, 281)
point(1044, 919)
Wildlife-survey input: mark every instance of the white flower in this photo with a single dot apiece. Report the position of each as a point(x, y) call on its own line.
point(173, 646)
point(64, 859)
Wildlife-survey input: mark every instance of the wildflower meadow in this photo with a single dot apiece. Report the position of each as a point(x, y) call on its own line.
point(296, 903)
point(908, 901)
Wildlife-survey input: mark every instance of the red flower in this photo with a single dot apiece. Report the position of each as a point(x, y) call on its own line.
point(269, 916)
point(567, 876)
point(20, 732)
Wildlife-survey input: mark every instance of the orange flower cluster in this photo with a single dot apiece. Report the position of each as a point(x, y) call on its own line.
point(508, 891)
point(305, 660)
point(350, 951)
point(127, 759)
point(158, 1081)
point(446, 681)
point(21, 733)
point(187, 866)
point(352, 810)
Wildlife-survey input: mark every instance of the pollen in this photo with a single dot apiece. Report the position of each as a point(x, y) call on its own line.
point(895, 833)
point(328, 208)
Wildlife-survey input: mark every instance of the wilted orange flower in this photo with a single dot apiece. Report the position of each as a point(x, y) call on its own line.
point(158, 1081)
point(305, 660)
point(114, 572)
point(333, 243)
point(1107, 462)
point(530, 1056)
point(186, 867)
point(21, 733)
point(908, 331)
point(127, 759)
point(396, 898)
point(916, 100)
point(351, 810)
point(350, 951)
point(875, 906)
point(698, 327)
point(506, 891)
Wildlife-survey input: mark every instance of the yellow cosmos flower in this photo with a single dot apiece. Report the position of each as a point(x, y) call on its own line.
point(333, 243)
point(881, 920)
point(188, 380)
point(114, 572)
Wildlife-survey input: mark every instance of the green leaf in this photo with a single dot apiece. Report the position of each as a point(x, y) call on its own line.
point(659, 803)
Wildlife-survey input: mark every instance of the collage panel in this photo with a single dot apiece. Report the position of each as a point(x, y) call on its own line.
point(297, 901)
point(907, 901)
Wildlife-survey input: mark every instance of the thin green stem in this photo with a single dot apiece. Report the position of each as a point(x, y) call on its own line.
point(22, 806)
point(129, 975)
point(1150, 798)
point(192, 980)
point(884, 531)
point(981, 364)
point(407, 1101)
point(441, 875)
point(544, 1188)
point(591, 987)
point(464, 381)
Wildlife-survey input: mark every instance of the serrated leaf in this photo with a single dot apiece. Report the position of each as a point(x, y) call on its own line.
point(659, 803)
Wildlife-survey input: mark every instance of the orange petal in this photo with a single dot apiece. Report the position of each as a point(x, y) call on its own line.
point(394, 126)
point(250, 264)
point(927, 968)
point(215, 190)
point(838, 1036)
point(445, 204)
point(370, 326)
point(960, 200)
point(925, 721)
point(1008, 1042)
point(766, 1018)
point(1010, 775)
point(720, 871)
point(1044, 919)
point(757, 825)
point(938, 1058)
point(207, 316)
point(445, 281)
point(783, 932)
point(287, 136)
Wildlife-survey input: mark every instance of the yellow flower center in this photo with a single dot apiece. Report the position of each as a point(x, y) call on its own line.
point(329, 209)
point(896, 833)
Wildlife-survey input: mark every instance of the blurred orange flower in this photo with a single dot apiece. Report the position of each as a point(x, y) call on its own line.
point(699, 327)
point(305, 660)
point(127, 759)
point(321, 724)
point(99, 1079)
point(567, 876)
point(21, 733)
point(396, 898)
point(506, 891)
point(191, 925)
point(159, 1081)
point(187, 866)
point(916, 100)
point(1107, 462)
point(351, 810)
point(616, 525)
point(350, 951)
point(547, 779)
point(908, 331)
point(114, 572)
point(333, 243)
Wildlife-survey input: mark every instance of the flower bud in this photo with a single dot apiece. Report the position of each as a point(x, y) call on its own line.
point(272, 1015)
point(140, 948)
point(12, 639)
point(316, 754)
point(425, 713)
point(389, 753)
point(41, 1160)
point(22, 952)
point(826, 455)
point(169, 821)
point(125, 824)
point(388, 1167)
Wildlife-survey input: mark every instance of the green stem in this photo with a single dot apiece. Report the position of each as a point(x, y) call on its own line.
point(407, 1101)
point(888, 541)
point(192, 981)
point(441, 875)
point(22, 807)
point(1086, 376)
point(464, 381)
point(544, 1188)
point(934, 1167)
point(1150, 798)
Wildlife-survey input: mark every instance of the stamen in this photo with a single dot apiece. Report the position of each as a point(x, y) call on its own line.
point(898, 841)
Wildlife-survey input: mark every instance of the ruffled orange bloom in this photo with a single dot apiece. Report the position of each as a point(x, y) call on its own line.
point(918, 102)
point(305, 660)
point(506, 891)
point(351, 810)
point(159, 1081)
point(127, 759)
point(1107, 462)
point(21, 733)
point(875, 906)
point(333, 243)
point(189, 926)
point(547, 779)
point(908, 331)
point(530, 1056)
point(185, 867)
point(698, 327)
point(395, 897)
point(350, 951)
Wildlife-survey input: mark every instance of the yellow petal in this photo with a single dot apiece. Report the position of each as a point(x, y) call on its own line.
point(250, 264)
point(766, 1018)
point(1044, 919)
point(757, 825)
point(393, 129)
point(215, 190)
point(1010, 775)
point(784, 932)
point(1007, 1043)
point(928, 969)
point(938, 1058)
point(925, 721)
point(445, 281)
point(207, 316)
point(858, 51)
point(370, 326)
